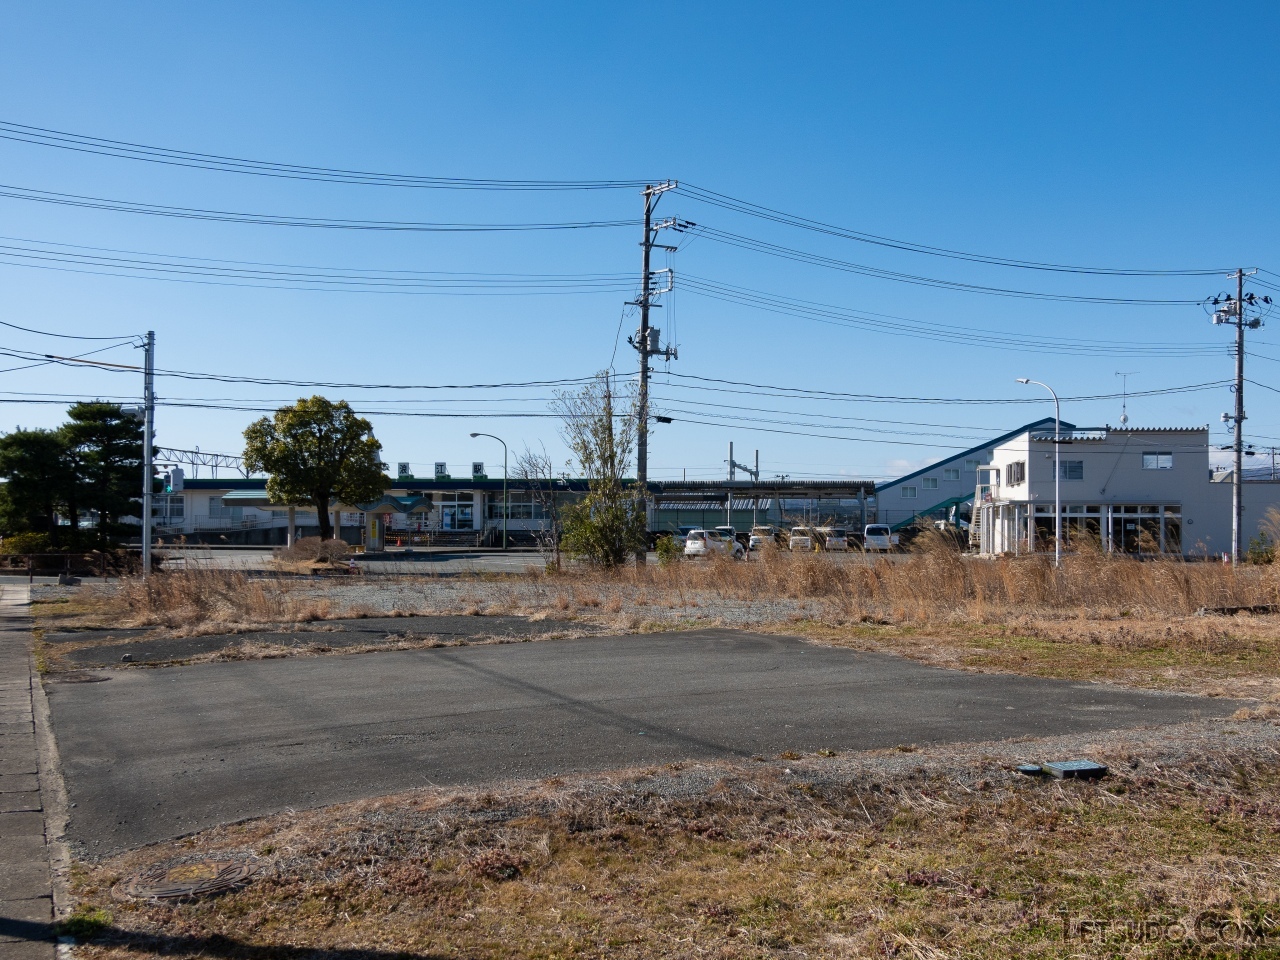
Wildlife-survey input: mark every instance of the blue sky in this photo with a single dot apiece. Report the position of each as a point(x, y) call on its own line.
point(1103, 135)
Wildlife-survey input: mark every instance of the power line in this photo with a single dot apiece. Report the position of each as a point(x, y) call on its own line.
point(275, 220)
point(726, 202)
point(802, 256)
point(316, 384)
point(903, 326)
point(64, 336)
point(773, 390)
point(79, 143)
point(259, 275)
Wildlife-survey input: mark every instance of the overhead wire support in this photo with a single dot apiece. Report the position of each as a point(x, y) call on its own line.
point(148, 452)
point(647, 341)
point(1236, 312)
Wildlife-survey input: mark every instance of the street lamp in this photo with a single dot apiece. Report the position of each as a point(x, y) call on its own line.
point(1057, 474)
point(506, 506)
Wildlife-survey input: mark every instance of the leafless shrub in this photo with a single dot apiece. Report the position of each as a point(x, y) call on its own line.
point(313, 549)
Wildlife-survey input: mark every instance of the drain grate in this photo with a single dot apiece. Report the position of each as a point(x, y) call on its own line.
point(186, 880)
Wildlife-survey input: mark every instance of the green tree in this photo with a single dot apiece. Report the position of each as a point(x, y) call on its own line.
point(39, 468)
point(609, 525)
point(314, 452)
point(105, 444)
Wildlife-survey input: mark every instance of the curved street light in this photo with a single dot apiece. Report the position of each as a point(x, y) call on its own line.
point(1057, 475)
point(506, 506)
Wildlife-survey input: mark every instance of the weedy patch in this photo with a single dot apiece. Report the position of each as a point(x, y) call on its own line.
point(936, 853)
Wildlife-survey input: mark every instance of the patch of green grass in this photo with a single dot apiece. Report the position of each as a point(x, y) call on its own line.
point(86, 923)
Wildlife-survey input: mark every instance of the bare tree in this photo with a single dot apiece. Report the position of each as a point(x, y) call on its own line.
point(598, 424)
point(535, 468)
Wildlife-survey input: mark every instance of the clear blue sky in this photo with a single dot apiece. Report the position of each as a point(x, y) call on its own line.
point(1121, 135)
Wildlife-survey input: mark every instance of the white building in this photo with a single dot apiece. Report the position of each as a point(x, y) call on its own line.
point(1137, 491)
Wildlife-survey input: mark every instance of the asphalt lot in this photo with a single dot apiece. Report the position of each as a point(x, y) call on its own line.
point(420, 562)
point(73, 650)
point(155, 753)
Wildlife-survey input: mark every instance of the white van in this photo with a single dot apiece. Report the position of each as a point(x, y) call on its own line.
point(878, 536)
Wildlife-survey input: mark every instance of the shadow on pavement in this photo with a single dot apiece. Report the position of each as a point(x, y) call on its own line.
point(26, 931)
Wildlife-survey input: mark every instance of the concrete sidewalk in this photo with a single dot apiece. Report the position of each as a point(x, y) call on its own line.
point(26, 893)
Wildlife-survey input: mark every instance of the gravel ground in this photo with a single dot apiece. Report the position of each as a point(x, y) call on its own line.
point(516, 596)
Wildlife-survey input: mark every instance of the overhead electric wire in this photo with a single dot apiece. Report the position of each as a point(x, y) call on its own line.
point(726, 202)
point(44, 362)
point(80, 143)
point(276, 220)
point(311, 384)
point(721, 385)
point(260, 275)
point(803, 256)
point(904, 326)
point(774, 390)
point(63, 336)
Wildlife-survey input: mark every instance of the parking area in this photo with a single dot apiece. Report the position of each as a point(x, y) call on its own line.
point(154, 753)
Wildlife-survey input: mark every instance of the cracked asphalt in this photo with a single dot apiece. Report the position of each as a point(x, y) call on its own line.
point(156, 753)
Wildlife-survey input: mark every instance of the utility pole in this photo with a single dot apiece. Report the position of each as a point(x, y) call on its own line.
point(646, 341)
point(148, 437)
point(1235, 311)
point(1237, 476)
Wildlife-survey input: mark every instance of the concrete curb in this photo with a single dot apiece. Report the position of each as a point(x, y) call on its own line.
point(26, 881)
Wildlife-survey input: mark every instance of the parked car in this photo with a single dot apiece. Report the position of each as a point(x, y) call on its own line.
point(761, 537)
point(681, 535)
point(706, 543)
point(731, 533)
point(877, 537)
point(833, 538)
point(802, 538)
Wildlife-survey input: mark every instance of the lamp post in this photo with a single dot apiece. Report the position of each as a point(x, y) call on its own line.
point(1057, 473)
point(506, 506)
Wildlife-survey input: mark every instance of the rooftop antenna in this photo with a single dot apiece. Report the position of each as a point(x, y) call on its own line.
point(1124, 376)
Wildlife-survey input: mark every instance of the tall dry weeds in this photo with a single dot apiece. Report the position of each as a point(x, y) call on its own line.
point(937, 584)
point(189, 599)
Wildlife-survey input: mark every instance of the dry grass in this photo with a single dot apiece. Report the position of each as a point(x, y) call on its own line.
point(916, 854)
point(938, 585)
point(1097, 618)
point(209, 598)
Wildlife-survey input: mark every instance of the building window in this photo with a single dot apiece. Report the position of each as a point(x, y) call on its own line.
point(219, 510)
point(929, 483)
point(1157, 460)
point(909, 493)
point(1072, 469)
point(1015, 473)
point(524, 506)
point(951, 473)
point(168, 508)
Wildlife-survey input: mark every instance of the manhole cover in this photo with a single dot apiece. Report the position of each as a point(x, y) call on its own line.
point(75, 676)
point(186, 880)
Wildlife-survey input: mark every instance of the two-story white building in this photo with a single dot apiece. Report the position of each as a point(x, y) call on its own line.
point(1137, 491)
